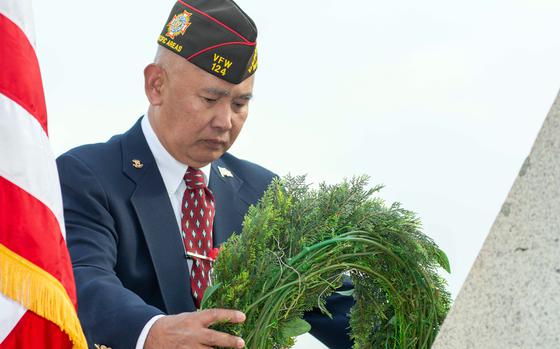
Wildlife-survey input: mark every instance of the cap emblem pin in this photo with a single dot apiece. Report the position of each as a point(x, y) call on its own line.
point(179, 24)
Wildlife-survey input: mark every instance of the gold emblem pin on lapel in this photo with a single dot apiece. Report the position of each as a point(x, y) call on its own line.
point(137, 164)
point(225, 172)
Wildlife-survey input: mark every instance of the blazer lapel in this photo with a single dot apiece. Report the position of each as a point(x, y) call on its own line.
point(231, 202)
point(159, 226)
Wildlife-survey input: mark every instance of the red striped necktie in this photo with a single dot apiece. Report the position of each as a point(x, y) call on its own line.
point(196, 226)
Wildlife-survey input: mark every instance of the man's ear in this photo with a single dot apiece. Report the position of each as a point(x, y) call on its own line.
point(154, 78)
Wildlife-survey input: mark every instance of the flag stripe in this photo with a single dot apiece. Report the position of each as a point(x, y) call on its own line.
point(27, 159)
point(20, 77)
point(24, 216)
point(11, 313)
point(34, 331)
point(20, 12)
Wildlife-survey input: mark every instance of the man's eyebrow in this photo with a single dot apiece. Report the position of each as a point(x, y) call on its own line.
point(217, 91)
point(246, 96)
point(224, 93)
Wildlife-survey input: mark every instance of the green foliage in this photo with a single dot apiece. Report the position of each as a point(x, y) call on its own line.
point(297, 246)
point(295, 328)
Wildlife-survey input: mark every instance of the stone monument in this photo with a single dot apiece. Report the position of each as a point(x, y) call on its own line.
point(511, 298)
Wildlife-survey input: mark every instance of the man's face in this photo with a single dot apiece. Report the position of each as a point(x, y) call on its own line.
point(200, 115)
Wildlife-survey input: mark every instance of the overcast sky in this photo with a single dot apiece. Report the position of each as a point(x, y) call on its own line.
point(438, 100)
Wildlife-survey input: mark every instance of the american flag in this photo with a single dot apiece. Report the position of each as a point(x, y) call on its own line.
point(37, 291)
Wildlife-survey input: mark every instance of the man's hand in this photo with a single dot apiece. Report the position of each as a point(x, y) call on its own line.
point(190, 331)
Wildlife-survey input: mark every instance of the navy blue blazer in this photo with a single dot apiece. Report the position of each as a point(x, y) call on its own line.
point(125, 244)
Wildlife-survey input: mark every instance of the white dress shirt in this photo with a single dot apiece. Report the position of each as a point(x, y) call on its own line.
point(172, 173)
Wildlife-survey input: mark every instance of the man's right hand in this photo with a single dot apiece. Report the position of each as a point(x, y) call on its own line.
point(190, 331)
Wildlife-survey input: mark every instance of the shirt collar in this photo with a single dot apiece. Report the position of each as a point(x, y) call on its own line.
point(171, 170)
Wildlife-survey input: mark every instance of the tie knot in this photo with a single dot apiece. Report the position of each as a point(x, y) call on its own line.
point(194, 178)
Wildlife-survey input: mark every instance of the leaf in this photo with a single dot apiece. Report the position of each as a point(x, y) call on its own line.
point(348, 293)
point(208, 293)
point(442, 260)
point(295, 327)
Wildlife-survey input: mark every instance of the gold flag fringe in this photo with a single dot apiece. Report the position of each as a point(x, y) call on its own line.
point(39, 292)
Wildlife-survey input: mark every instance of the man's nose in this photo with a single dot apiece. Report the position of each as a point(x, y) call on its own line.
point(222, 117)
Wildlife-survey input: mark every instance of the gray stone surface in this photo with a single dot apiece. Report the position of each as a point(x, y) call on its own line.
point(511, 298)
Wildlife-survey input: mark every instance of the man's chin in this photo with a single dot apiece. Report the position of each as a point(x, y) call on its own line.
point(204, 154)
point(208, 158)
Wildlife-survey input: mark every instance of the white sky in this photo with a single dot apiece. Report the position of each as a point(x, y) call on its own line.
point(438, 100)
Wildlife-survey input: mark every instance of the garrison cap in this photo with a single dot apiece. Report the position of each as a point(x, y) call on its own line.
point(215, 35)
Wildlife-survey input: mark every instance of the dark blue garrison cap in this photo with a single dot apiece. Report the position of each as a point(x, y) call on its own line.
point(215, 35)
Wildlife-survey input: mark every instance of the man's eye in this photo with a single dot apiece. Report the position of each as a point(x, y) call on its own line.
point(209, 100)
point(239, 104)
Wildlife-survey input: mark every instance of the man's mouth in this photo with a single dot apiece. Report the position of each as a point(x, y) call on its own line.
point(215, 143)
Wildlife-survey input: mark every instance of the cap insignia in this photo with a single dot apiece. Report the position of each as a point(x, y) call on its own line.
point(179, 24)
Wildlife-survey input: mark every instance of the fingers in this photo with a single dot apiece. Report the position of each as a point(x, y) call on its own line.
point(211, 316)
point(190, 330)
point(219, 339)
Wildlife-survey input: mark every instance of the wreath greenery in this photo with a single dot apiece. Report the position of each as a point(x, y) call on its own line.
point(299, 244)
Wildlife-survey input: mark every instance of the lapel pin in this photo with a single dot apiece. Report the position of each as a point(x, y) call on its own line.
point(137, 164)
point(225, 172)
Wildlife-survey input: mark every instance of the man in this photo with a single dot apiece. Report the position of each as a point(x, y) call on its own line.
point(140, 265)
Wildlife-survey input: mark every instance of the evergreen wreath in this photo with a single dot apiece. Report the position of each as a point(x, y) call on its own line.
point(299, 244)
